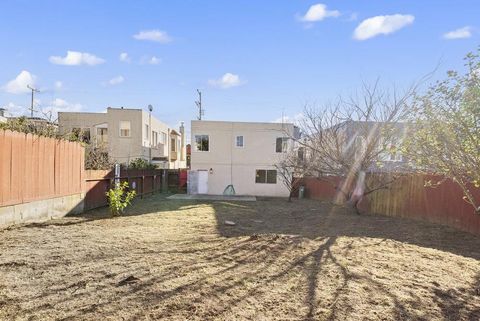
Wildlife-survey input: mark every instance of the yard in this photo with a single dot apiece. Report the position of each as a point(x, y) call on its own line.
point(177, 260)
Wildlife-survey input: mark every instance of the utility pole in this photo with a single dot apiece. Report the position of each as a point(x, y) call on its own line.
point(150, 133)
point(201, 111)
point(34, 90)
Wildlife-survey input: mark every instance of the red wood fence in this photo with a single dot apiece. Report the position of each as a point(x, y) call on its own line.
point(34, 168)
point(408, 197)
point(99, 181)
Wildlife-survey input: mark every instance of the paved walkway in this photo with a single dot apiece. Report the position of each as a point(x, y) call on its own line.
point(204, 197)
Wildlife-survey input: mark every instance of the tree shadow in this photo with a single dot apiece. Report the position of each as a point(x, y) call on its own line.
point(312, 219)
point(277, 255)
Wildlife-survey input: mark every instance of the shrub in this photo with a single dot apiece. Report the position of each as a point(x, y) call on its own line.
point(140, 163)
point(119, 198)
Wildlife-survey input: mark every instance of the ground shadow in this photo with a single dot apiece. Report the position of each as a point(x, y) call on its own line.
point(176, 259)
point(313, 219)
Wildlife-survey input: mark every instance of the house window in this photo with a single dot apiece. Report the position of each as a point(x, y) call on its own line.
point(394, 153)
point(173, 145)
point(124, 128)
point(147, 131)
point(102, 135)
point(163, 138)
point(266, 176)
point(239, 141)
point(202, 143)
point(281, 144)
point(154, 139)
point(301, 153)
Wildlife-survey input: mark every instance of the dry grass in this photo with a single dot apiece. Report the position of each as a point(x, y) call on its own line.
point(176, 260)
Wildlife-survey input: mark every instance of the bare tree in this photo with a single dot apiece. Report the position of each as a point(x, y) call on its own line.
point(291, 169)
point(353, 137)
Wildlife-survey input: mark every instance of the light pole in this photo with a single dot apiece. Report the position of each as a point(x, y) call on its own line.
point(150, 108)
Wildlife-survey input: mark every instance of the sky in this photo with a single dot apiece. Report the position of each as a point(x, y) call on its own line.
point(252, 60)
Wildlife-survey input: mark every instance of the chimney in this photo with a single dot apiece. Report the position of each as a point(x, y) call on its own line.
point(182, 141)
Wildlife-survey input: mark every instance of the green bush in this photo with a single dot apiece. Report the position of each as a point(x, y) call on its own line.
point(140, 163)
point(119, 198)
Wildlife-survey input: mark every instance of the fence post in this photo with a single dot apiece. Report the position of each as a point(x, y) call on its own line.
point(117, 175)
point(143, 182)
point(165, 181)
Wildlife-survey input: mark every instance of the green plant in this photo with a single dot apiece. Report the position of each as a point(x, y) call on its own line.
point(119, 198)
point(446, 130)
point(140, 163)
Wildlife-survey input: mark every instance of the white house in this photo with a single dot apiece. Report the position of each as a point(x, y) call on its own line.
point(238, 154)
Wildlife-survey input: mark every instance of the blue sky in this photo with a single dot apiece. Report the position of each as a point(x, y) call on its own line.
point(251, 59)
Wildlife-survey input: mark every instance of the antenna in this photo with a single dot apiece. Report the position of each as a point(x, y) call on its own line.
point(198, 102)
point(34, 90)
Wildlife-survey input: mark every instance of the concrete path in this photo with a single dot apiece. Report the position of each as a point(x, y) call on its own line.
point(204, 197)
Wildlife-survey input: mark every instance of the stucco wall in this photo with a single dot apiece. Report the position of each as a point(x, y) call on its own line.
point(124, 149)
point(237, 165)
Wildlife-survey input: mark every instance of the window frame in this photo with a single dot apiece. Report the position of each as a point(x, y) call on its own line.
point(283, 146)
point(236, 141)
point(129, 128)
point(266, 176)
point(154, 139)
point(196, 144)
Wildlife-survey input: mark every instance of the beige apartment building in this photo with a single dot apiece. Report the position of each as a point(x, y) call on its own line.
point(240, 154)
point(128, 134)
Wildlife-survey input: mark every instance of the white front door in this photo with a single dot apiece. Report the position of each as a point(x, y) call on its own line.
point(202, 182)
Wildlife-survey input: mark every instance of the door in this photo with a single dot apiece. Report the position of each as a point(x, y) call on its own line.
point(202, 182)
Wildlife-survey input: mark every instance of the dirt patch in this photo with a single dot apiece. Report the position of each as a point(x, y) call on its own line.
point(177, 260)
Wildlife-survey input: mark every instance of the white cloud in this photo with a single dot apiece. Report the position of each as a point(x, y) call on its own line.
point(146, 60)
point(14, 110)
point(153, 35)
point(19, 84)
point(76, 58)
point(318, 12)
point(58, 85)
point(154, 60)
point(461, 33)
point(114, 81)
point(228, 80)
point(381, 25)
point(60, 105)
point(124, 57)
point(295, 119)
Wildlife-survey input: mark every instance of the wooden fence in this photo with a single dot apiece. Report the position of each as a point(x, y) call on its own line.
point(34, 168)
point(99, 181)
point(408, 197)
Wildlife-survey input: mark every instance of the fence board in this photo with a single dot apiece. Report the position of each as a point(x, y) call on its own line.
point(5, 167)
point(34, 168)
point(409, 198)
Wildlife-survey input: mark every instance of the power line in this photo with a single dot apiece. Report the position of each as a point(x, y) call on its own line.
point(34, 90)
point(198, 102)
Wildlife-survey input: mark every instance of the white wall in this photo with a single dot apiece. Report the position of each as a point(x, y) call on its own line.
point(236, 165)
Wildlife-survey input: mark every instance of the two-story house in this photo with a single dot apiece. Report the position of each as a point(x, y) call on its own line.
point(387, 136)
point(127, 134)
point(241, 155)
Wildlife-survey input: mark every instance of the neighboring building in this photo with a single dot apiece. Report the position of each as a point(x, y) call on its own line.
point(189, 155)
point(3, 118)
point(128, 134)
point(240, 154)
point(391, 159)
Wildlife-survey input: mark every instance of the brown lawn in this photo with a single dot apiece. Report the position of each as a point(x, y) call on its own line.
point(176, 260)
